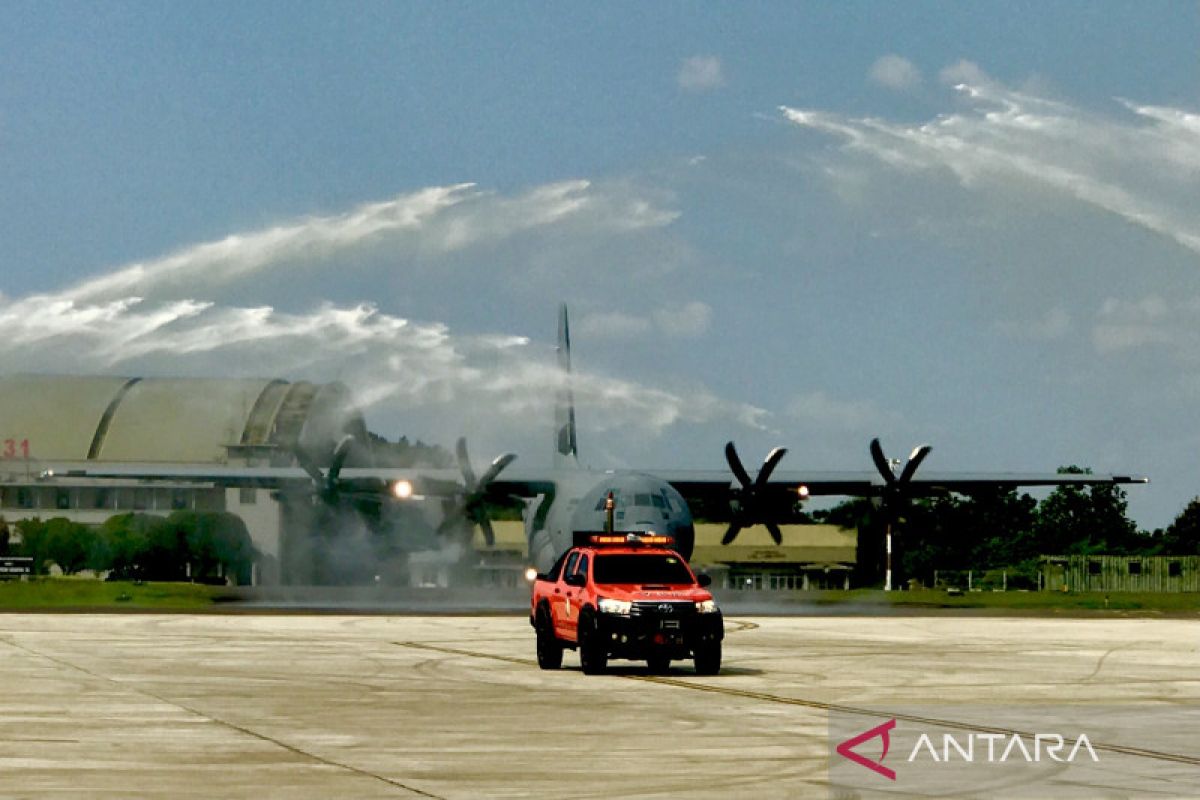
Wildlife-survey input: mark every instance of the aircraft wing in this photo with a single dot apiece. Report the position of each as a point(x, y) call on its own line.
point(708, 484)
point(436, 481)
point(865, 483)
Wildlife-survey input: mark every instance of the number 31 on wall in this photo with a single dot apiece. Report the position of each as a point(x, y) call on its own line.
point(15, 448)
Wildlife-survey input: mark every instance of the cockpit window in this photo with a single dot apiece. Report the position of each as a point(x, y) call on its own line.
point(642, 500)
point(650, 568)
point(658, 500)
point(618, 500)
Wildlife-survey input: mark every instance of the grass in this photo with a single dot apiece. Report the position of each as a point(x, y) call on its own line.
point(89, 594)
point(86, 594)
point(1049, 601)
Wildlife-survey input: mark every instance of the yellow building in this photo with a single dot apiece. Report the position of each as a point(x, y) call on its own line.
point(74, 421)
point(811, 557)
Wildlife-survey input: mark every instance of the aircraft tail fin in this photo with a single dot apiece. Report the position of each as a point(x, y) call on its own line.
point(566, 451)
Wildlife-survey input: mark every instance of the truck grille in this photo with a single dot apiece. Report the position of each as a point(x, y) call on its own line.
point(650, 608)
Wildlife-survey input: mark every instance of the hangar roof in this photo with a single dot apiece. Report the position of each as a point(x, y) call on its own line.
point(185, 420)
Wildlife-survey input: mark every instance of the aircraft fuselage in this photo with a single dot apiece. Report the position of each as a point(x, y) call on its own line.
point(643, 503)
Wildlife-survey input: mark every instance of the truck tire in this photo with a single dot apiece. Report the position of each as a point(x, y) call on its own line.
point(549, 648)
point(593, 652)
point(708, 658)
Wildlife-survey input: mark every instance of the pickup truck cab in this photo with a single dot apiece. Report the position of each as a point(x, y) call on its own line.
point(625, 596)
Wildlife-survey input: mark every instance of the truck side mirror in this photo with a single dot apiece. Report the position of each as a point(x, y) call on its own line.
point(703, 579)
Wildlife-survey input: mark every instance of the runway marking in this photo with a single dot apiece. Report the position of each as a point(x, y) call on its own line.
point(817, 704)
point(232, 726)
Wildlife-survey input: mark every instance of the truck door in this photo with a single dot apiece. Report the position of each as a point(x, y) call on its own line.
point(560, 605)
point(577, 596)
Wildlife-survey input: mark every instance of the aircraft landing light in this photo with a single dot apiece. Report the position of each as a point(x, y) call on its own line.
point(403, 490)
point(802, 490)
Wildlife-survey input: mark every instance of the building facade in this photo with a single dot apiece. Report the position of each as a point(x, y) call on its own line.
point(1100, 573)
point(50, 424)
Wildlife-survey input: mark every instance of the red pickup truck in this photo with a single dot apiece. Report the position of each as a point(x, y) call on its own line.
point(625, 596)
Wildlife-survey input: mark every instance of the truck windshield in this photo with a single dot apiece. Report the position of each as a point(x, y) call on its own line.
point(650, 568)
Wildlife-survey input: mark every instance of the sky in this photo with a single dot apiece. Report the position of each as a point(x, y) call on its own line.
point(800, 224)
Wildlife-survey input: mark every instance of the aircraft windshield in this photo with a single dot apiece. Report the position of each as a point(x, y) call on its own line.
point(650, 568)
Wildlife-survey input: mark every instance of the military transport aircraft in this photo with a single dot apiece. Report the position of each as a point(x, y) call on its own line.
point(570, 498)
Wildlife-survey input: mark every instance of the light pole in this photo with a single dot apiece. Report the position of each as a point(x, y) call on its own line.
point(887, 578)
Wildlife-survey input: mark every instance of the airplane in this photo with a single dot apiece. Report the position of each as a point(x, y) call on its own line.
point(570, 497)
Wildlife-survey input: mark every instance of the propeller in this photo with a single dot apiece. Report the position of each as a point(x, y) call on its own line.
point(895, 494)
point(748, 501)
point(473, 507)
point(327, 486)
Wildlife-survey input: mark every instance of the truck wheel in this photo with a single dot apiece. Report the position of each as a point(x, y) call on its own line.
point(593, 652)
point(549, 648)
point(659, 665)
point(708, 658)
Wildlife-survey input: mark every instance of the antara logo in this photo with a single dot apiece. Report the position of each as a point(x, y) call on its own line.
point(1000, 747)
point(846, 748)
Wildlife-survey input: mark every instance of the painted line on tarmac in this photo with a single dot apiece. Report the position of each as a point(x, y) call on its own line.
point(747, 694)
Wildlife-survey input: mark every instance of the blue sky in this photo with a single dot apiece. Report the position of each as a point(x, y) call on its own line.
point(807, 224)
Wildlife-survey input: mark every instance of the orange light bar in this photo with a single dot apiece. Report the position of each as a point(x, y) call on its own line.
point(631, 538)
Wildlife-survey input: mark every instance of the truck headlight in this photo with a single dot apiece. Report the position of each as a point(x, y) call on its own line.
point(706, 607)
point(609, 606)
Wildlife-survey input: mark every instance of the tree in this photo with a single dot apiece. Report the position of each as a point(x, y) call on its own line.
point(1182, 537)
point(404, 453)
point(864, 516)
point(188, 544)
point(217, 544)
point(127, 545)
point(1077, 520)
point(33, 543)
point(69, 544)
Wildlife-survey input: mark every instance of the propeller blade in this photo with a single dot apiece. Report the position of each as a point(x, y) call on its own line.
point(914, 461)
point(776, 534)
point(735, 464)
point(464, 464)
point(881, 463)
point(489, 535)
point(472, 508)
point(309, 466)
point(768, 466)
point(453, 515)
point(731, 533)
point(497, 467)
point(339, 458)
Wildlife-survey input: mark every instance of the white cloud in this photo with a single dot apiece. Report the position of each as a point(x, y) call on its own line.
point(1055, 324)
point(964, 71)
point(688, 321)
point(612, 325)
point(701, 74)
point(1145, 171)
point(148, 317)
point(895, 72)
point(1153, 321)
point(819, 409)
point(422, 225)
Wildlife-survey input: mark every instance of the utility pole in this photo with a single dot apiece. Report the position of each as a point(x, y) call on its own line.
point(887, 580)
